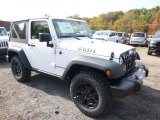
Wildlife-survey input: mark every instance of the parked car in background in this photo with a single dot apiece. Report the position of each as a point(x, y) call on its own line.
point(150, 37)
point(139, 38)
point(3, 41)
point(124, 37)
point(107, 35)
point(154, 44)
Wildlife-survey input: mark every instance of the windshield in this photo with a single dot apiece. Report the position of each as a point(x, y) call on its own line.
point(138, 35)
point(106, 33)
point(157, 34)
point(98, 33)
point(71, 28)
point(3, 32)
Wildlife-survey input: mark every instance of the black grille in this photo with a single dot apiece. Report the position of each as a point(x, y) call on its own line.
point(3, 44)
point(129, 60)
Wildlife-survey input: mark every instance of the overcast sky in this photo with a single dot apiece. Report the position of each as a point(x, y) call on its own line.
point(23, 9)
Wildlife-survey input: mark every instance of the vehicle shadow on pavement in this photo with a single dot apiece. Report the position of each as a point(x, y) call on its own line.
point(144, 105)
point(138, 106)
point(51, 85)
point(3, 62)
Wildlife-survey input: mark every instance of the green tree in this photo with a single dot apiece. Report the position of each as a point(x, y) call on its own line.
point(132, 21)
point(76, 16)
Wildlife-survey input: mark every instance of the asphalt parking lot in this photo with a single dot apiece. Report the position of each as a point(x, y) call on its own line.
point(45, 97)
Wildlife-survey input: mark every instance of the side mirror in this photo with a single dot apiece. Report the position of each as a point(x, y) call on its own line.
point(44, 37)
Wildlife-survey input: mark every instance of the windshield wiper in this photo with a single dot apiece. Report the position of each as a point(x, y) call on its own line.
point(84, 36)
point(69, 36)
point(76, 37)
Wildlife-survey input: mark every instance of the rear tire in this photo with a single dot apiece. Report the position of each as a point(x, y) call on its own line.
point(20, 73)
point(91, 93)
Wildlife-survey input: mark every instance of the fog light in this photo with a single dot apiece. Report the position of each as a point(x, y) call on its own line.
point(108, 73)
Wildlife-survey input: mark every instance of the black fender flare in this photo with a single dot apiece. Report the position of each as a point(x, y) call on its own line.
point(12, 51)
point(96, 63)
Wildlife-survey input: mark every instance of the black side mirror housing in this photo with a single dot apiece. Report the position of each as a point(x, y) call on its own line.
point(44, 37)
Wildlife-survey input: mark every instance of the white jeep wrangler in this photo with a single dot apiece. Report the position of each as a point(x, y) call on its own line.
point(98, 70)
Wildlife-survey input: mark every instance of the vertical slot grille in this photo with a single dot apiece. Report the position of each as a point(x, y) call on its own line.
point(3, 44)
point(129, 61)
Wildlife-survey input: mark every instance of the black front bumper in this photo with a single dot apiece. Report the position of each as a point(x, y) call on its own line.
point(131, 83)
point(154, 49)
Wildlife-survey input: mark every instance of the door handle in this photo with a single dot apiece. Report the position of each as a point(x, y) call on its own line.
point(32, 45)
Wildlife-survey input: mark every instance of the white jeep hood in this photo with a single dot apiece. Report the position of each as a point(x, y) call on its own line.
point(93, 46)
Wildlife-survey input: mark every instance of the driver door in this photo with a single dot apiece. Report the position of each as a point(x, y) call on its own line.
point(41, 57)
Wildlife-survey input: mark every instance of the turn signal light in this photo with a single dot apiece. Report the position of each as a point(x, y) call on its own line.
point(108, 73)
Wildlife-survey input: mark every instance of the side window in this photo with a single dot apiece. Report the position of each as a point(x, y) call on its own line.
point(38, 27)
point(19, 30)
point(112, 34)
point(14, 34)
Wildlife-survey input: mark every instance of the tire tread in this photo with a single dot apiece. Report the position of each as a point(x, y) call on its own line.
point(102, 82)
point(26, 73)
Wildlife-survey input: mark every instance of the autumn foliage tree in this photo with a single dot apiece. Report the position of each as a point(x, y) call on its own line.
point(136, 20)
point(155, 24)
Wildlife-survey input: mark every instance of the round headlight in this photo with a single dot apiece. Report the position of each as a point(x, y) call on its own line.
point(121, 60)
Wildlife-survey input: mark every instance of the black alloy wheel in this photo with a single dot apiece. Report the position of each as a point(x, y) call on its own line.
point(91, 93)
point(20, 72)
point(16, 69)
point(87, 96)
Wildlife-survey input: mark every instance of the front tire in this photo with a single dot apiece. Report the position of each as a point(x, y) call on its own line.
point(91, 93)
point(19, 72)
